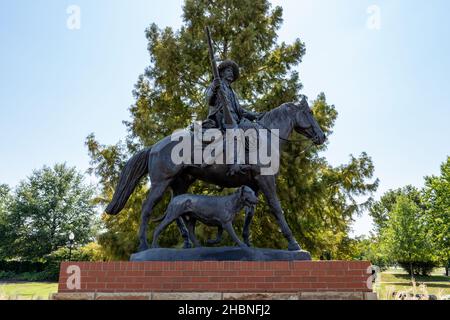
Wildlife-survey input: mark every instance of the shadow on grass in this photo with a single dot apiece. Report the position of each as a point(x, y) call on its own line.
point(407, 278)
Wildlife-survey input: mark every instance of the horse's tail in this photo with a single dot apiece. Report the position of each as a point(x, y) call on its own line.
point(131, 174)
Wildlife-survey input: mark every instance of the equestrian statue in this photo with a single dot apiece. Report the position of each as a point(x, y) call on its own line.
point(225, 113)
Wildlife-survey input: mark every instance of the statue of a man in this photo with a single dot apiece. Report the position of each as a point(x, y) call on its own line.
point(229, 73)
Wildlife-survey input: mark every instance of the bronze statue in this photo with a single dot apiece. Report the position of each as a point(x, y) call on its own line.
point(212, 211)
point(164, 173)
point(229, 73)
point(225, 112)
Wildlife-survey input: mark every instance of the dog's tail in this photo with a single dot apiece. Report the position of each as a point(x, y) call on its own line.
point(175, 207)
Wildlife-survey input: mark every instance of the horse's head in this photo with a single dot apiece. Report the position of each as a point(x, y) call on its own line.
point(305, 123)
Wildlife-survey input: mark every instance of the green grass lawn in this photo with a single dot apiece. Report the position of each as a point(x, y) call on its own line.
point(27, 290)
point(396, 280)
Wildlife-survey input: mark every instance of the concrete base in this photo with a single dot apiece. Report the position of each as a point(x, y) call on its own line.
point(332, 295)
point(220, 254)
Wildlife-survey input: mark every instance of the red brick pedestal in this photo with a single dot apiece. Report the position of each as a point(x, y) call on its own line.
point(215, 280)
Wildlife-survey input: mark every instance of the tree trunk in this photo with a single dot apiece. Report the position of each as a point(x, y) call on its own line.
point(412, 271)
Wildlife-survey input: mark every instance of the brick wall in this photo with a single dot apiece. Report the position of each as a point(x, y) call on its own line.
point(293, 276)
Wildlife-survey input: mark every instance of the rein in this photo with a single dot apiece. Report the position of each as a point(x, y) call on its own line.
point(289, 141)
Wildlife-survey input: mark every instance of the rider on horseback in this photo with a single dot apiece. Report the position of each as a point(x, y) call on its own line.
point(229, 73)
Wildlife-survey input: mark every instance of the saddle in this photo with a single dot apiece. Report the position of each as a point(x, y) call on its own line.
point(208, 124)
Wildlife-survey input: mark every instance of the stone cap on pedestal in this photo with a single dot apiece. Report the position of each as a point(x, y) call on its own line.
point(220, 254)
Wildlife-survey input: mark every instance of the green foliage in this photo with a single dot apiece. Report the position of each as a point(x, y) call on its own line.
point(46, 275)
point(5, 202)
point(437, 197)
point(380, 210)
point(5, 199)
point(370, 249)
point(28, 271)
point(377, 246)
point(7, 275)
point(44, 209)
point(22, 266)
point(423, 268)
point(318, 199)
point(406, 238)
point(90, 252)
point(413, 226)
point(48, 269)
point(50, 274)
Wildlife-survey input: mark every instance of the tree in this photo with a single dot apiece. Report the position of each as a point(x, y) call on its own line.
point(370, 249)
point(46, 207)
point(5, 197)
point(5, 202)
point(406, 238)
point(437, 197)
point(318, 199)
point(379, 210)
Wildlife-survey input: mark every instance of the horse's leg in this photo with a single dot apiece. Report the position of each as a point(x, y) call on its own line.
point(268, 187)
point(249, 213)
point(181, 186)
point(167, 220)
point(154, 196)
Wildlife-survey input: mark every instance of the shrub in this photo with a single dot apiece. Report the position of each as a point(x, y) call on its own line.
point(90, 252)
point(22, 266)
point(423, 268)
point(48, 270)
point(6, 275)
point(27, 276)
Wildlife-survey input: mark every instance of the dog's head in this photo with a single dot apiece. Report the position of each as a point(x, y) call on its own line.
point(248, 196)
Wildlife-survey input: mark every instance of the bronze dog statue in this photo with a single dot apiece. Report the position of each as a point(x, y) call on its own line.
point(211, 210)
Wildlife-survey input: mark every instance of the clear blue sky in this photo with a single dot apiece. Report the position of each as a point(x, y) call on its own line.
point(391, 86)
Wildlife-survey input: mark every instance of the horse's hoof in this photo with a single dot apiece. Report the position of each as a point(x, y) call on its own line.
point(248, 244)
point(212, 242)
point(294, 246)
point(187, 245)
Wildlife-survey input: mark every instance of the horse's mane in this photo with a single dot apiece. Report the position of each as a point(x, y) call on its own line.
point(273, 115)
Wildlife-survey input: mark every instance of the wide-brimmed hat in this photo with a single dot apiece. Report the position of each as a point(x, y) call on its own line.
point(230, 63)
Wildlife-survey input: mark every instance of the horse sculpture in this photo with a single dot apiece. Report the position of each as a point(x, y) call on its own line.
point(156, 161)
